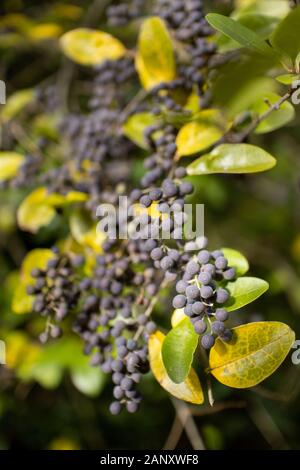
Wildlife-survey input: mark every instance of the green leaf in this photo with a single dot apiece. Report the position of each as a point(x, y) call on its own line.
point(90, 47)
point(254, 353)
point(244, 290)
point(236, 260)
point(87, 379)
point(155, 61)
point(288, 78)
point(10, 163)
point(48, 376)
point(178, 350)
point(205, 131)
point(278, 117)
point(177, 316)
point(286, 37)
point(16, 103)
point(239, 33)
point(190, 390)
point(232, 158)
point(136, 125)
point(263, 25)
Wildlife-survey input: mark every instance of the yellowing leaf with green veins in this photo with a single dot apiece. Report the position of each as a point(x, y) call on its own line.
point(10, 162)
point(244, 290)
point(208, 127)
point(178, 350)
point(37, 258)
point(136, 125)
point(288, 78)
point(155, 60)
point(190, 390)
point(232, 158)
point(254, 353)
point(35, 211)
point(16, 103)
point(236, 260)
point(278, 117)
point(90, 47)
point(177, 316)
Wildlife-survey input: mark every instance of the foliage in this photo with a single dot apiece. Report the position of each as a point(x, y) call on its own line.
point(164, 114)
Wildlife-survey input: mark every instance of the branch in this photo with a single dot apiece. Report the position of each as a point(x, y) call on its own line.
point(174, 434)
point(185, 416)
point(241, 136)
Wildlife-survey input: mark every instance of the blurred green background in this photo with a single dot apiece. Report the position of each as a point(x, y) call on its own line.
point(49, 396)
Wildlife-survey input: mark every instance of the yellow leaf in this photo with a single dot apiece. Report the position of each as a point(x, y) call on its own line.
point(46, 31)
point(155, 61)
point(20, 350)
point(177, 317)
point(254, 353)
point(10, 162)
point(85, 232)
point(16, 103)
point(76, 196)
point(206, 130)
point(35, 211)
point(90, 47)
point(38, 209)
point(190, 390)
point(21, 301)
point(37, 258)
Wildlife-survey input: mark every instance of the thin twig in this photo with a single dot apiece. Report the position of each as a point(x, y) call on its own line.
point(216, 408)
point(184, 414)
point(174, 434)
point(240, 137)
point(267, 426)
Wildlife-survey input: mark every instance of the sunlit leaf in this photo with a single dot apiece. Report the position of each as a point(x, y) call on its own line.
point(254, 353)
point(34, 212)
point(244, 290)
point(90, 47)
point(197, 135)
point(16, 103)
point(136, 125)
point(177, 316)
point(10, 162)
point(236, 260)
point(190, 390)
point(232, 158)
point(37, 258)
point(155, 60)
point(85, 232)
point(178, 350)
point(88, 380)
